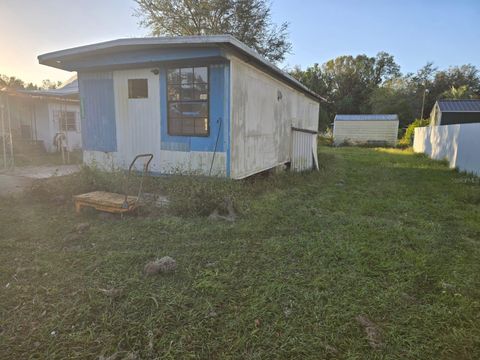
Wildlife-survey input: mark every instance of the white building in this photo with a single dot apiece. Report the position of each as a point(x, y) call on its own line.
point(365, 129)
point(41, 116)
point(199, 104)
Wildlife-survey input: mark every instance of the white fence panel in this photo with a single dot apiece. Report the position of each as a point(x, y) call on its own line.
point(458, 144)
point(304, 150)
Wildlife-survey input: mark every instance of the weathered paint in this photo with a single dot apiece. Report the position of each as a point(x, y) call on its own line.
point(458, 144)
point(304, 151)
point(98, 110)
point(137, 120)
point(141, 127)
point(263, 111)
point(359, 132)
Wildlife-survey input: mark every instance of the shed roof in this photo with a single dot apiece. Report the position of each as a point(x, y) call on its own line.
point(60, 59)
point(448, 105)
point(367, 117)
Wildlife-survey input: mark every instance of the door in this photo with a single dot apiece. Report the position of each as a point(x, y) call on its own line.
point(137, 110)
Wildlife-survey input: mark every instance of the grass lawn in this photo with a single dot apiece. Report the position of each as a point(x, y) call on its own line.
point(383, 234)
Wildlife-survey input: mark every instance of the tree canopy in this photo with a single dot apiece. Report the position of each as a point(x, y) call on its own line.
point(14, 83)
point(248, 20)
point(362, 84)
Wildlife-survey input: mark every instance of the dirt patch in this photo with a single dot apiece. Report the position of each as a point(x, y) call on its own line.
point(163, 265)
point(13, 185)
point(374, 335)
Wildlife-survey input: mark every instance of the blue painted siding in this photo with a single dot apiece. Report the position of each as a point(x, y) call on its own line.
point(219, 119)
point(142, 58)
point(98, 112)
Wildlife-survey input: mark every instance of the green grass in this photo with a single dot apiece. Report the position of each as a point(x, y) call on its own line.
point(382, 233)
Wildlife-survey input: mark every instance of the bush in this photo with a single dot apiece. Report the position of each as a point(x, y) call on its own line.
point(407, 139)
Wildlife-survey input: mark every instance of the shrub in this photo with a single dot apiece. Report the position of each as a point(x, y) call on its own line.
point(407, 139)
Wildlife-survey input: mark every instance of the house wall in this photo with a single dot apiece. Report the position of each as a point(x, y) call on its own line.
point(458, 144)
point(134, 126)
point(264, 110)
point(73, 138)
point(358, 132)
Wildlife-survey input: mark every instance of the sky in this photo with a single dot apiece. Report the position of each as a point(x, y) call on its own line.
point(446, 32)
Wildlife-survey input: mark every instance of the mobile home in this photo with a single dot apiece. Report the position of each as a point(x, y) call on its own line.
point(199, 104)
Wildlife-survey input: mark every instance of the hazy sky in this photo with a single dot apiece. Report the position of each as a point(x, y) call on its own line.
point(446, 32)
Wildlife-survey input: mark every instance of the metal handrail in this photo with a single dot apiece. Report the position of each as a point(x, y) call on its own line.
point(145, 170)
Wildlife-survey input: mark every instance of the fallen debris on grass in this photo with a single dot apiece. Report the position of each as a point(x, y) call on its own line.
point(82, 227)
point(163, 265)
point(372, 331)
point(112, 293)
point(231, 216)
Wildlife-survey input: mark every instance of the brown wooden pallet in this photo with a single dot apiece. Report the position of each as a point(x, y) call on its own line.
point(105, 201)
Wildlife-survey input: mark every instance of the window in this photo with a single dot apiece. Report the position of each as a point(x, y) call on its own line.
point(68, 121)
point(137, 88)
point(188, 101)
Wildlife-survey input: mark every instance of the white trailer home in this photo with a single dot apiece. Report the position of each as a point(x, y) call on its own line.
point(367, 129)
point(200, 104)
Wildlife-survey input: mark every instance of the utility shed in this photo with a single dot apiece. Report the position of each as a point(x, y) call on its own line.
point(449, 112)
point(200, 104)
point(381, 129)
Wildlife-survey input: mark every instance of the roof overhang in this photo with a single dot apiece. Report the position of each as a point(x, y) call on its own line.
point(69, 59)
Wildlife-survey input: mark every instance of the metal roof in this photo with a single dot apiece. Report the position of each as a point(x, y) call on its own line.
point(56, 58)
point(367, 117)
point(69, 89)
point(459, 105)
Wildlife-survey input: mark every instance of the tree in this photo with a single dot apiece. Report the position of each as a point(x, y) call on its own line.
point(11, 82)
point(248, 20)
point(462, 92)
point(50, 85)
point(348, 82)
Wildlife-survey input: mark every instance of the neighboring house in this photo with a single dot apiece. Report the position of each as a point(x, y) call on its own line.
point(199, 104)
point(448, 112)
point(381, 129)
point(40, 116)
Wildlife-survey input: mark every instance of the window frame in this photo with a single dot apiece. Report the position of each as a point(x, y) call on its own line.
point(130, 81)
point(63, 120)
point(169, 132)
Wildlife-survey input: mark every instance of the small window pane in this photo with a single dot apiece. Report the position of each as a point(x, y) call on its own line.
point(188, 126)
point(174, 92)
point(137, 88)
point(201, 126)
point(175, 125)
point(187, 92)
point(201, 92)
point(201, 74)
point(174, 110)
point(174, 76)
point(187, 75)
point(194, 109)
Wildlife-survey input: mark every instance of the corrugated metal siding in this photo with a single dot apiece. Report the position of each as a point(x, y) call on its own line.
point(365, 131)
point(98, 111)
point(263, 112)
point(138, 120)
point(304, 147)
point(366, 117)
point(459, 105)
